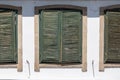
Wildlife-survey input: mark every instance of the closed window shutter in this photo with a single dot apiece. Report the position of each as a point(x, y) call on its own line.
point(60, 36)
point(71, 36)
point(8, 45)
point(112, 37)
point(49, 40)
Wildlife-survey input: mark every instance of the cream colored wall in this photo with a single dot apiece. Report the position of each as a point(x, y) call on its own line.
point(61, 74)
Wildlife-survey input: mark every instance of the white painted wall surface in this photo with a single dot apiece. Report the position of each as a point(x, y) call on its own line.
point(61, 74)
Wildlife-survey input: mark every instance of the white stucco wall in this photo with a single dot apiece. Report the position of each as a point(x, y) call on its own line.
point(61, 74)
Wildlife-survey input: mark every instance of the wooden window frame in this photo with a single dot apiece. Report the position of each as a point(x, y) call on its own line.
point(102, 65)
point(84, 38)
point(19, 38)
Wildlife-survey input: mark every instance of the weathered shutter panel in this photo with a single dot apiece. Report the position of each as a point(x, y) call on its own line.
point(49, 40)
point(71, 37)
point(112, 37)
point(8, 51)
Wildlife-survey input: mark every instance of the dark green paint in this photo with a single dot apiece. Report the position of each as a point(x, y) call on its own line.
point(71, 34)
point(49, 32)
point(8, 37)
point(112, 37)
point(60, 29)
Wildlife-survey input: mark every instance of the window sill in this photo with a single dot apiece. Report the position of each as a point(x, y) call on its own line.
point(8, 66)
point(112, 65)
point(60, 66)
point(103, 66)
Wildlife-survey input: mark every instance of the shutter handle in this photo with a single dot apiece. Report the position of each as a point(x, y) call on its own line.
point(28, 68)
point(93, 68)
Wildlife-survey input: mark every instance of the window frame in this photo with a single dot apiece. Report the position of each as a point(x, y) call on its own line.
point(19, 38)
point(102, 65)
point(84, 38)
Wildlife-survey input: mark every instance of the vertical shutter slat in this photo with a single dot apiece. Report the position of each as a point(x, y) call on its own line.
point(49, 37)
point(15, 36)
point(105, 38)
point(71, 37)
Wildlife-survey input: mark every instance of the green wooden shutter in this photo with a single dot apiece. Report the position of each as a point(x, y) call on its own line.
point(8, 48)
point(112, 37)
point(49, 40)
point(71, 36)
